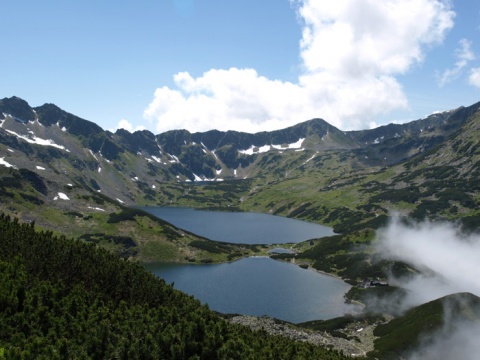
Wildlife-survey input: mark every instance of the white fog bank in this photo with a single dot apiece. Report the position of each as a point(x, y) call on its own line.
point(450, 263)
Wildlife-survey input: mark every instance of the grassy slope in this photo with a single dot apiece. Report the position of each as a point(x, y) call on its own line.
point(405, 332)
point(96, 218)
point(337, 187)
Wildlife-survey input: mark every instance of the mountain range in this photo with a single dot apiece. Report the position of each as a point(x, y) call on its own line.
point(58, 152)
point(71, 177)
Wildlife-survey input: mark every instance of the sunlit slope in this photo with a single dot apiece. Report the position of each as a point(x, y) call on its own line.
point(332, 188)
point(71, 209)
point(313, 171)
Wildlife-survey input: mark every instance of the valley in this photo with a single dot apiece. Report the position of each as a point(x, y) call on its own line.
point(71, 178)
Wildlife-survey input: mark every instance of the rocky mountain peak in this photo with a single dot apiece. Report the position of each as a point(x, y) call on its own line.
point(17, 108)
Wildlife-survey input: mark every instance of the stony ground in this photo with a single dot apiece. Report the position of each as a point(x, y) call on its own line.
point(360, 334)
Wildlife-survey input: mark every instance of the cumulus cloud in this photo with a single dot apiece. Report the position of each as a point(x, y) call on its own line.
point(352, 38)
point(126, 125)
point(233, 99)
point(474, 77)
point(351, 53)
point(464, 55)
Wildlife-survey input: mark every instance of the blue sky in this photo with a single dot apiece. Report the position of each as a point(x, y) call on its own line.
point(242, 64)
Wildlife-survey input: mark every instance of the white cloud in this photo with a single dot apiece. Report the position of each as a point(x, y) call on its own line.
point(464, 55)
point(474, 78)
point(237, 99)
point(126, 125)
point(351, 52)
point(450, 257)
point(449, 260)
point(354, 38)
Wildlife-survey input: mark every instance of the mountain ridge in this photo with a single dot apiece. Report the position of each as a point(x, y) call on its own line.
point(143, 168)
point(227, 151)
point(68, 175)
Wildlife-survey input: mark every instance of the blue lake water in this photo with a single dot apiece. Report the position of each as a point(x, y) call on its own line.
point(241, 227)
point(259, 285)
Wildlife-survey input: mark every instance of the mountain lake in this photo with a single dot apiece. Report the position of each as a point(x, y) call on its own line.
point(240, 227)
point(257, 285)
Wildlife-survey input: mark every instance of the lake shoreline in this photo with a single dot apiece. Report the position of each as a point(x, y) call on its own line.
point(252, 228)
point(257, 286)
point(238, 272)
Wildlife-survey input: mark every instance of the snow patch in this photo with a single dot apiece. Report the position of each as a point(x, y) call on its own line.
point(4, 163)
point(262, 149)
point(95, 208)
point(61, 196)
point(198, 178)
point(218, 171)
point(120, 201)
point(174, 159)
point(158, 160)
point(38, 141)
point(296, 145)
point(91, 153)
point(255, 150)
point(309, 159)
point(10, 150)
point(99, 169)
point(40, 167)
point(36, 122)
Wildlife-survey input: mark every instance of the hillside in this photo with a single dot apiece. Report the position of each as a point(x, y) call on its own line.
point(143, 168)
point(61, 299)
point(440, 182)
point(312, 171)
point(428, 325)
point(74, 210)
point(72, 178)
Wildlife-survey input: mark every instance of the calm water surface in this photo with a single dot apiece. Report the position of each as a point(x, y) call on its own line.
point(254, 286)
point(240, 227)
point(260, 286)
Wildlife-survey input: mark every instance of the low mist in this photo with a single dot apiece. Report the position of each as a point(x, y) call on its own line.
point(450, 263)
